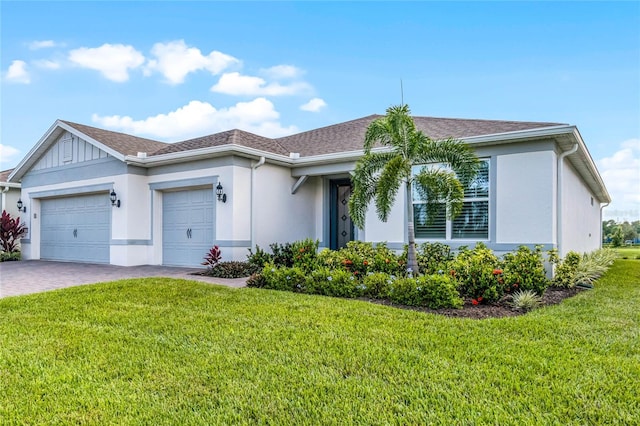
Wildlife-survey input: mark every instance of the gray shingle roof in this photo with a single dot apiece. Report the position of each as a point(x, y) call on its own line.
point(121, 142)
point(341, 137)
point(349, 136)
point(4, 175)
point(236, 137)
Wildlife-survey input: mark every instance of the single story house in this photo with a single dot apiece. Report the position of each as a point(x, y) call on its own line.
point(93, 195)
point(9, 194)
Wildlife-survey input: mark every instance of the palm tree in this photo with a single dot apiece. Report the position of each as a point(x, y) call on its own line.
point(379, 174)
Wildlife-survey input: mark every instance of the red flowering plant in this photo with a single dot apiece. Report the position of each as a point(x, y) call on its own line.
point(305, 254)
point(212, 257)
point(524, 270)
point(477, 274)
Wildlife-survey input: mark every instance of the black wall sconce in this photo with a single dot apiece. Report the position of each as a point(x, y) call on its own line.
point(220, 193)
point(114, 199)
point(20, 206)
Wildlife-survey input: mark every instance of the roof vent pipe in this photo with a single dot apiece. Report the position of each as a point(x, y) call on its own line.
point(559, 197)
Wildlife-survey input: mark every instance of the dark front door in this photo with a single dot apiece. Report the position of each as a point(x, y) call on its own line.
point(341, 227)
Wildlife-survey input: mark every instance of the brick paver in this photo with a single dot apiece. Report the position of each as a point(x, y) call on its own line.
point(34, 276)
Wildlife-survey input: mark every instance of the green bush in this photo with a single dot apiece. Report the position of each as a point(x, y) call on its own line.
point(259, 258)
point(565, 271)
point(377, 285)
point(231, 269)
point(256, 280)
point(283, 278)
point(10, 256)
point(305, 254)
point(439, 291)
point(282, 254)
point(524, 270)
point(361, 258)
point(434, 258)
point(433, 291)
point(335, 283)
point(477, 274)
point(593, 265)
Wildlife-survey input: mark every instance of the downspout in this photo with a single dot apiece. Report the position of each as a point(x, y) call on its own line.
point(559, 196)
point(602, 206)
point(253, 181)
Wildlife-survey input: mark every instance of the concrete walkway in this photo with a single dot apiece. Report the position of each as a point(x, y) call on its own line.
point(34, 276)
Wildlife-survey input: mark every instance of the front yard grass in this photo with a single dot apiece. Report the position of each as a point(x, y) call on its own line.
point(164, 351)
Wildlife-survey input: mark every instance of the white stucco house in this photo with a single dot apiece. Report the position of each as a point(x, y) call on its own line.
point(9, 194)
point(93, 195)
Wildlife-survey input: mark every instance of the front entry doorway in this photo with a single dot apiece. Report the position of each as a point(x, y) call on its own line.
point(341, 227)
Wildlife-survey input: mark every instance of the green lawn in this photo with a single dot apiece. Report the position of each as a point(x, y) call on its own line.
point(629, 252)
point(162, 351)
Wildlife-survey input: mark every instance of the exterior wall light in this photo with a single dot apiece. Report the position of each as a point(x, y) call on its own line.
point(220, 193)
point(20, 206)
point(114, 199)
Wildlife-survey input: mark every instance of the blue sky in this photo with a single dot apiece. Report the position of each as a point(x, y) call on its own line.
point(175, 70)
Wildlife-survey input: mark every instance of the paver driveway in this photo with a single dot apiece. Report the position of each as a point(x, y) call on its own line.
point(34, 276)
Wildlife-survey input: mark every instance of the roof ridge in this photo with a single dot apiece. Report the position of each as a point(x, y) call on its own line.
point(73, 124)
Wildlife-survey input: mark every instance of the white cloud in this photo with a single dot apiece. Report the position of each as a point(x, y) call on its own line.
point(236, 84)
point(199, 118)
point(42, 44)
point(279, 72)
point(7, 153)
point(175, 60)
point(621, 175)
point(113, 61)
point(45, 63)
point(18, 73)
point(314, 105)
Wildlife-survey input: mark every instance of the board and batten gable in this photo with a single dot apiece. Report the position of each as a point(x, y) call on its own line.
point(69, 149)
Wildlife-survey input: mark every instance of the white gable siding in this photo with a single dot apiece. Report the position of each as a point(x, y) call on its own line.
point(69, 149)
point(525, 200)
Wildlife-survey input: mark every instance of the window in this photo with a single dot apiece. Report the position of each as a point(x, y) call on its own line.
point(471, 223)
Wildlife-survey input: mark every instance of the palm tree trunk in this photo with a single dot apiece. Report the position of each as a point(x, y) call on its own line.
point(412, 263)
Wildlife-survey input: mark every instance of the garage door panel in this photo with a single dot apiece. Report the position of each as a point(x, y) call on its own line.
point(76, 229)
point(187, 226)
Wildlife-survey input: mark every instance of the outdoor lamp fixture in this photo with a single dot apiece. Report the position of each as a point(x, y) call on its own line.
point(20, 208)
point(221, 195)
point(114, 199)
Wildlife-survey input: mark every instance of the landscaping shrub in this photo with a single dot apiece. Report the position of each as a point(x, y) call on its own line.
point(259, 258)
point(433, 291)
point(360, 258)
point(284, 278)
point(232, 269)
point(565, 271)
point(434, 257)
point(477, 274)
point(336, 283)
point(7, 257)
point(305, 254)
point(282, 254)
point(524, 270)
point(11, 230)
point(377, 285)
point(525, 300)
point(593, 265)
point(212, 258)
point(256, 280)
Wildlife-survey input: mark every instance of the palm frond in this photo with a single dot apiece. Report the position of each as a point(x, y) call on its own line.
point(438, 186)
point(453, 152)
point(394, 130)
point(364, 183)
point(394, 174)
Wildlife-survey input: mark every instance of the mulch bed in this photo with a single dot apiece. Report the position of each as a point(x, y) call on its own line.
point(500, 309)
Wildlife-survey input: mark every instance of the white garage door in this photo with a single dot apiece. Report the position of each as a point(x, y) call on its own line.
point(187, 226)
point(76, 229)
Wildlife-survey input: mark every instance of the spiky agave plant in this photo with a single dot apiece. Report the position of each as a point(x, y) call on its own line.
point(525, 300)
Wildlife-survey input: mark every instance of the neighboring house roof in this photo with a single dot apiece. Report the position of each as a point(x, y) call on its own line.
point(230, 137)
point(4, 175)
point(120, 142)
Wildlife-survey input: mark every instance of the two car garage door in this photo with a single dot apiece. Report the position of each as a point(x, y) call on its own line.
point(78, 229)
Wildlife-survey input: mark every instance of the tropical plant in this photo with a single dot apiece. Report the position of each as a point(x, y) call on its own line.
point(11, 230)
point(212, 257)
point(593, 265)
point(379, 175)
point(524, 270)
point(525, 300)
